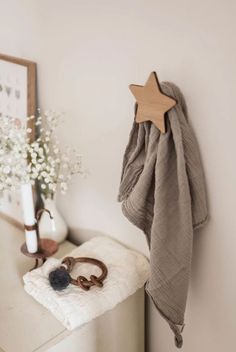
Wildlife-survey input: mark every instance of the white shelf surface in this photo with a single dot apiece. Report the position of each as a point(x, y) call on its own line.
point(26, 326)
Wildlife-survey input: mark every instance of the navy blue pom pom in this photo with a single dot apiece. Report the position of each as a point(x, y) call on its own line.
point(59, 279)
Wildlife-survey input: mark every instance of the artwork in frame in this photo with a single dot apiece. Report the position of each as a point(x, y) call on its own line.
point(17, 100)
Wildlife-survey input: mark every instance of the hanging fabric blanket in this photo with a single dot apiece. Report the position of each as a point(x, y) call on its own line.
point(163, 193)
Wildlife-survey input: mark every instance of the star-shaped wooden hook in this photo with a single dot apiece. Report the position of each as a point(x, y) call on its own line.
point(152, 103)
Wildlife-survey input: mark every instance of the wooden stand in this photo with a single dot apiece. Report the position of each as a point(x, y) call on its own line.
point(47, 248)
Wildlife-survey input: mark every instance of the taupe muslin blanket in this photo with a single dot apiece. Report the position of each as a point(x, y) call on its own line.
point(163, 193)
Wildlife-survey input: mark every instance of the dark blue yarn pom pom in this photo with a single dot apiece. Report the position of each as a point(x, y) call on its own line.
point(59, 279)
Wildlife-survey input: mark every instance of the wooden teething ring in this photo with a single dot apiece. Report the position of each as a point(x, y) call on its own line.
point(82, 281)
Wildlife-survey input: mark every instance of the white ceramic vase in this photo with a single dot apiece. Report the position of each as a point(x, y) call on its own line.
point(56, 228)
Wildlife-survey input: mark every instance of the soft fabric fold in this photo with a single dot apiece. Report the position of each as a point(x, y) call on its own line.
point(163, 193)
point(128, 271)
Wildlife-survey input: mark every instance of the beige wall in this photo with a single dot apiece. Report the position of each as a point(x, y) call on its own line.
point(87, 54)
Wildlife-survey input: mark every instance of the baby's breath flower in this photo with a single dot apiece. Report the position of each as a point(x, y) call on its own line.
point(24, 161)
point(6, 169)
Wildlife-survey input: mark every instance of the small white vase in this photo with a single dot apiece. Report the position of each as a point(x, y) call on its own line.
point(56, 228)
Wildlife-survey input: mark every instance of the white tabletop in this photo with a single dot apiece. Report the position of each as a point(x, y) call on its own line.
point(25, 325)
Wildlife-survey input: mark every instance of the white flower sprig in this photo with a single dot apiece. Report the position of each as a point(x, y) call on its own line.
point(24, 161)
point(13, 153)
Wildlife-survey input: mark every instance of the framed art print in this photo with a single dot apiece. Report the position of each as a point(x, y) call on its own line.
point(18, 100)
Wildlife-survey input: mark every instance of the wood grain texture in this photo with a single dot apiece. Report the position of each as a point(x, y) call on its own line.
point(152, 103)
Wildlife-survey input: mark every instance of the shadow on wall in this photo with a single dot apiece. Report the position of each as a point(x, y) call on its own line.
point(199, 252)
point(78, 236)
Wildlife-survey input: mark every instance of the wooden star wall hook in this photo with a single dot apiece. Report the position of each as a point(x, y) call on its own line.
point(152, 103)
